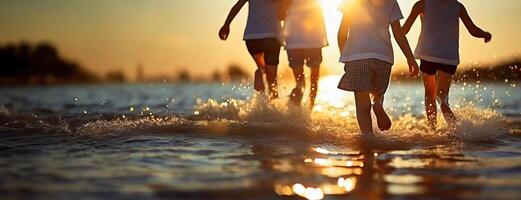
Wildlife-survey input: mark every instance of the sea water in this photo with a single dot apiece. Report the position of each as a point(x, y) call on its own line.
point(222, 141)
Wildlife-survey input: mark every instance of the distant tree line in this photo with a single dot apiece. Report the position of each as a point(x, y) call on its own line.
point(234, 73)
point(508, 70)
point(24, 63)
point(41, 63)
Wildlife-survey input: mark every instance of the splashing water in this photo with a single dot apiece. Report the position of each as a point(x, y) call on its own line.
point(278, 119)
point(258, 109)
point(213, 141)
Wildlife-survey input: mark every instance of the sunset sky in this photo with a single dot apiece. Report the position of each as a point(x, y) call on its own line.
point(170, 35)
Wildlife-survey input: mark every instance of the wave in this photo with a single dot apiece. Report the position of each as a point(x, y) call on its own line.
point(260, 118)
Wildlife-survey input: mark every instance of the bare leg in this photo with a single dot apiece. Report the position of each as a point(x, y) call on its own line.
point(429, 82)
point(271, 76)
point(444, 81)
point(315, 75)
point(298, 73)
point(259, 80)
point(363, 113)
point(383, 120)
point(297, 92)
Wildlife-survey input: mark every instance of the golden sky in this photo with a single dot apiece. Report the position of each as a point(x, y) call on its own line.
point(169, 35)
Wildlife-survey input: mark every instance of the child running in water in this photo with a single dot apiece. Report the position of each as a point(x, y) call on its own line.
point(365, 44)
point(438, 49)
point(305, 36)
point(262, 39)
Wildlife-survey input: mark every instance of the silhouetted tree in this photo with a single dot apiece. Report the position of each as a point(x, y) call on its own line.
point(509, 70)
point(38, 64)
point(184, 76)
point(140, 73)
point(216, 76)
point(115, 76)
point(236, 73)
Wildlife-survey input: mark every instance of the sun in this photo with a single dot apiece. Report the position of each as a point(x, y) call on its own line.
point(330, 3)
point(329, 95)
point(332, 19)
point(331, 15)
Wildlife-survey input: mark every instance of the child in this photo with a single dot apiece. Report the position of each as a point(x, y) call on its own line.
point(305, 36)
point(438, 49)
point(365, 44)
point(261, 36)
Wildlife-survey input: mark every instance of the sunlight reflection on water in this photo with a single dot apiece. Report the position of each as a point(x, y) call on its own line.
point(344, 167)
point(238, 146)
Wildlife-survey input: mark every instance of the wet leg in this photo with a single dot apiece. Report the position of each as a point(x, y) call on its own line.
point(271, 76)
point(429, 82)
point(297, 92)
point(383, 120)
point(363, 113)
point(258, 82)
point(444, 82)
point(315, 75)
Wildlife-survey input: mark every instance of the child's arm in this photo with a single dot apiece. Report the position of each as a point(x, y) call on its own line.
point(225, 30)
point(471, 27)
point(342, 32)
point(417, 9)
point(400, 38)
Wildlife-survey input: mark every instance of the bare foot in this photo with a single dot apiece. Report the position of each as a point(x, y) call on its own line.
point(296, 96)
point(383, 120)
point(258, 82)
point(448, 115)
point(433, 126)
point(311, 105)
point(367, 140)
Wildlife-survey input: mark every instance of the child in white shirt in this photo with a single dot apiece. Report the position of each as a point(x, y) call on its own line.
point(304, 35)
point(365, 44)
point(438, 49)
point(262, 39)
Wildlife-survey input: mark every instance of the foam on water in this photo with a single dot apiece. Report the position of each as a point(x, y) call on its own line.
point(479, 125)
point(279, 120)
point(234, 144)
point(258, 109)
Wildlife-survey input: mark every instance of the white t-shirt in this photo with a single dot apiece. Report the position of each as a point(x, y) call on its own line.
point(263, 20)
point(439, 38)
point(304, 26)
point(369, 35)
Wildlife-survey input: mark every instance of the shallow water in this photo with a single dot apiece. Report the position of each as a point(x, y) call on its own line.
point(163, 141)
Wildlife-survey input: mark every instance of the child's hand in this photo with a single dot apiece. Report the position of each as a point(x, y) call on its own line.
point(487, 37)
point(414, 70)
point(224, 32)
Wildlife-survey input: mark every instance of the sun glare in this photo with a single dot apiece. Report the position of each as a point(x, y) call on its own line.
point(332, 19)
point(329, 95)
point(331, 15)
point(330, 4)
